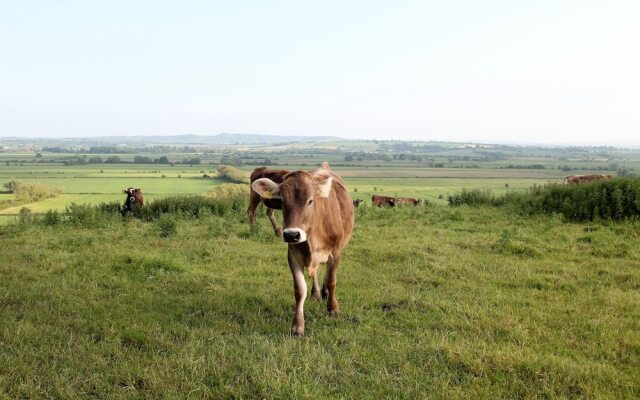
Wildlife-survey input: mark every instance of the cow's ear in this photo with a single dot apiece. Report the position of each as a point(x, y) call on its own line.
point(124, 191)
point(324, 187)
point(266, 188)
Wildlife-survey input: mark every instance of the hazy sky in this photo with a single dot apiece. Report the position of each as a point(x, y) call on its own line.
point(530, 71)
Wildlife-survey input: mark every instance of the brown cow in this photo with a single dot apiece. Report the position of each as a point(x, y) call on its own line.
point(380, 201)
point(272, 204)
point(318, 220)
point(580, 179)
point(134, 198)
point(407, 200)
point(357, 202)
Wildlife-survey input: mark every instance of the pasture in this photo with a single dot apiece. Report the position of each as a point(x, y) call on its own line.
point(436, 302)
point(92, 184)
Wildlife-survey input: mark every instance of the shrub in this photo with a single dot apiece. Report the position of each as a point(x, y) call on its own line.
point(229, 191)
point(474, 197)
point(31, 191)
point(110, 208)
point(615, 199)
point(193, 206)
point(51, 218)
point(80, 214)
point(167, 225)
point(232, 174)
point(25, 215)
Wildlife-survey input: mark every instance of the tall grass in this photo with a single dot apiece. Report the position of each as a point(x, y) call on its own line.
point(222, 203)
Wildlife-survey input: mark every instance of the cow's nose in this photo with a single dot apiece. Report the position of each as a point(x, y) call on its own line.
point(291, 236)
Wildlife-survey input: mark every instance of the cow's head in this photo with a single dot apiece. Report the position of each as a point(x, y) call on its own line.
point(300, 193)
point(131, 195)
point(129, 192)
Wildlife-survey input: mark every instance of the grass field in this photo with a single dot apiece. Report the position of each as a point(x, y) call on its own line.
point(87, 184)
point(436, 303)
point(93, 184)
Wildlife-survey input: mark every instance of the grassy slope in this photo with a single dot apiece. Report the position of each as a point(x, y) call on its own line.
point(435, 302)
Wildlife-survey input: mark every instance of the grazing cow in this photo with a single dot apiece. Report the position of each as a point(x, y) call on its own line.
point(318, 220)
point(380, 201)
point(407, 200)
point(134, 198)
point(580, 179)
point(272, 204)
point(357, 202)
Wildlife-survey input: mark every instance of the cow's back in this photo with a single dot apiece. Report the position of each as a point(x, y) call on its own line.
point(275, 175)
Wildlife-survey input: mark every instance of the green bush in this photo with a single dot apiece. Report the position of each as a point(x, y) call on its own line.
point(31, 191)
point(194, 206)
point(232, 174)
point(112, 207)
point(80, 214)
point(167, 225)
point(229, 191)
point(615, 199)
point(51, 218)
point(475, 197)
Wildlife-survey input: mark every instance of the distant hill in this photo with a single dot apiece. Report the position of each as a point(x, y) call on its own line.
point(134, 140)
point(269, 139)
point(223, 138)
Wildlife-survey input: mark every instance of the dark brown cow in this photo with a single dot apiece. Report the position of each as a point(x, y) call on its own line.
point(380, 201)
point(580, 179)
point(271, 203)
point(318, 220)
point(357, 202)
point(134, 198)
point(407, 200)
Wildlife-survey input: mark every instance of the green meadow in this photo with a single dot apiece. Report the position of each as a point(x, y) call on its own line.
point(93, 184)
point(436, 302)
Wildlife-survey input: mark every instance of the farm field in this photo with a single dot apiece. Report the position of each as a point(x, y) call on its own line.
point(92, 184)
point(82, 169)
point(473, 303)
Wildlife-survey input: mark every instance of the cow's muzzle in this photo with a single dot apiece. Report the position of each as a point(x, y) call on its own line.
point(294, 235)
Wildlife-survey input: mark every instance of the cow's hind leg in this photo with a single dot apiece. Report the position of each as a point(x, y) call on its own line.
point(329, 287)
point(254, 201)
point(300, 292)
point(270, 215)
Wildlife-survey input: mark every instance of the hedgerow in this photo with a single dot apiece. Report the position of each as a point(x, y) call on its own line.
point(615, 199)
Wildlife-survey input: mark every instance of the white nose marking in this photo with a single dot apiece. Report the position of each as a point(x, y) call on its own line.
point(301, 232)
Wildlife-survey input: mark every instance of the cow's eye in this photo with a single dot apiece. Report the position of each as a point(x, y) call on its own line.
point(310, 202)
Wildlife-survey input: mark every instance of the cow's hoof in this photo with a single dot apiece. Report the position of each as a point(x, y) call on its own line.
point(297, 331)
point(334, 312)
point(278, 232)
point(316, 296)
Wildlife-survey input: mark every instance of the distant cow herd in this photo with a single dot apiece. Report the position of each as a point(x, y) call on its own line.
point(382, 201)
point(318, 215)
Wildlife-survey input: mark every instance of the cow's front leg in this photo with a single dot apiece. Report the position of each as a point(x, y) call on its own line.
point(315, 290)
point(300, 292)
